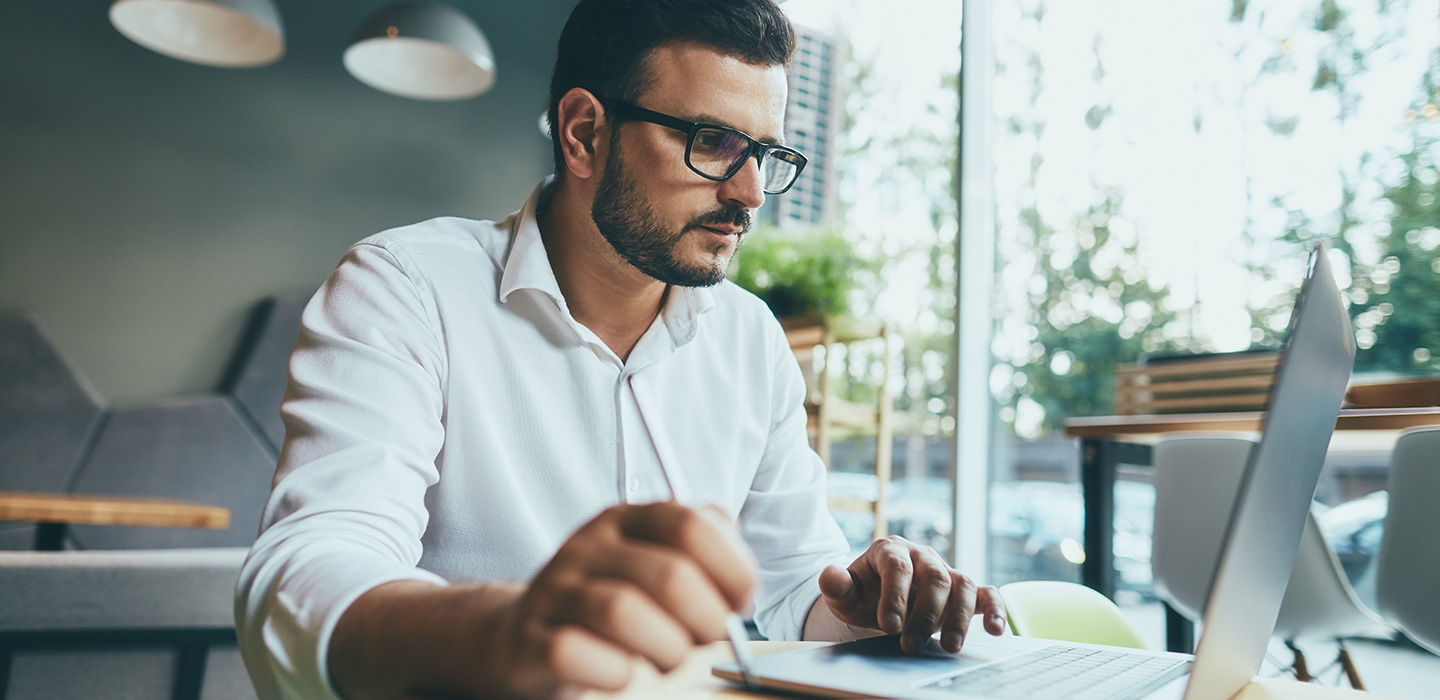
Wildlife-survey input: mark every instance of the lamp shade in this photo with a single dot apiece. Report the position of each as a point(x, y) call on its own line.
point(225, 33)
point(422, 50)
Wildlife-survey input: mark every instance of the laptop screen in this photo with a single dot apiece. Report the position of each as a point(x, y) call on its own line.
point(1277, 488)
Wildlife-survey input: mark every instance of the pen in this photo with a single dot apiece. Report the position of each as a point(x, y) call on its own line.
point(734, 626)
point(739, 642)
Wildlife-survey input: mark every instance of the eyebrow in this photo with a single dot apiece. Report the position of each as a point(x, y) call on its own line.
point(709, 119)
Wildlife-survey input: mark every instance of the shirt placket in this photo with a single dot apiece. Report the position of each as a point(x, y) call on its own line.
point(642, 471)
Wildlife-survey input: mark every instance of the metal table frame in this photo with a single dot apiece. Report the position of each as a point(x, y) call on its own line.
point(1102, 451)
point(1099, 460)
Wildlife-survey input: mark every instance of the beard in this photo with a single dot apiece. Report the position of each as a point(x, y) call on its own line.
point(629, 224)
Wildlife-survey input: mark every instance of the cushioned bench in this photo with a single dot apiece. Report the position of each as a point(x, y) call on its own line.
point(134, 612)
point(120, 624)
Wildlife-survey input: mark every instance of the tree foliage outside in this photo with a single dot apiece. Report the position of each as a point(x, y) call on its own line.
point(1073, 300)
point(1396, 306)
point(900, 271)
point(1384, 225)
point(1089, 309)
point(1059, 341)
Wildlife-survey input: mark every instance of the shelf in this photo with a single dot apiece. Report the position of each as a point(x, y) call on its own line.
point(830, 417)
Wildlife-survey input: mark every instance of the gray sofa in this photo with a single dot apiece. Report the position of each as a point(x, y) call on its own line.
point(134, 612)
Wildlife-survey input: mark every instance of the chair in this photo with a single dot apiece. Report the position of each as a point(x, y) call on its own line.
point(1068, 612)
point(1408, 565)
point(1197, 476)
point(1207, 383)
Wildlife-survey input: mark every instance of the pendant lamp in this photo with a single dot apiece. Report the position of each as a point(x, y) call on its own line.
point(422, 50)
point(225, 33)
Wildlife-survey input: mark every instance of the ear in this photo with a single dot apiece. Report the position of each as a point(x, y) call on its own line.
point(583, 127)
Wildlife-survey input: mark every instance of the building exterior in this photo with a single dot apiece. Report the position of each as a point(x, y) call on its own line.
point(813, 119)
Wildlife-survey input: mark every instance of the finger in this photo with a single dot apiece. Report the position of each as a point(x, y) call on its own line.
point(730, 528)
point(628, 618)
point(842, 593)
point(577, 656)
point(889, 560)
point(958, 610)
point(723, 557)
point(674, 581)
point(929, 596)
point(988, 601)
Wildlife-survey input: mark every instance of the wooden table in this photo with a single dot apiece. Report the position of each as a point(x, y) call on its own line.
point(57, 512)
point(1109, 441)
point(692, 680)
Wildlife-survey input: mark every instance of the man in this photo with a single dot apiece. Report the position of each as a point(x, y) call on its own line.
point(516, 452)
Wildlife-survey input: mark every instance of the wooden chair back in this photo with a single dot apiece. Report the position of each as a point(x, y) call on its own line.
point(1203, 384)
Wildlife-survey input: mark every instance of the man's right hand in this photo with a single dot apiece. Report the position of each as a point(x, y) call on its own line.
point(647, 582)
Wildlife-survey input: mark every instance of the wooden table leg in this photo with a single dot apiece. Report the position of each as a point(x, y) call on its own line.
point(1351, 672)
point(1302, 670)
point(1099, 459)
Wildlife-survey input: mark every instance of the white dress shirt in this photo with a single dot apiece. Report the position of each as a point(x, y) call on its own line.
point(447, 419)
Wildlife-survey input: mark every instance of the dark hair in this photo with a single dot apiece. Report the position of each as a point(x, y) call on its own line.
point(605, 43)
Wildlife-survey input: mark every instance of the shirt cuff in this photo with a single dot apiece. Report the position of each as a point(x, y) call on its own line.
point(295, 634)
point(343, 603)
point(788, 622)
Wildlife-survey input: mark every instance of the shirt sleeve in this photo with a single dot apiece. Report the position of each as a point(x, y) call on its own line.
point(786, 517)
point(363, 425)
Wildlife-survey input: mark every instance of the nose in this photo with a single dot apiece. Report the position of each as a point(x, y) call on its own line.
point(745, 188)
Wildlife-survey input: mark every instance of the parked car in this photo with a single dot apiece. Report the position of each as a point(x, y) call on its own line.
point(916, 509)
point(1353, 529)
point(858, 527)
point(1035, 526)
point(1035, 531)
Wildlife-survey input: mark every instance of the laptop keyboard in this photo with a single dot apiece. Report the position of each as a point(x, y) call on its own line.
point(1064, 673)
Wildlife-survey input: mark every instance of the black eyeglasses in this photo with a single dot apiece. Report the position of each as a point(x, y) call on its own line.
point(718, 152)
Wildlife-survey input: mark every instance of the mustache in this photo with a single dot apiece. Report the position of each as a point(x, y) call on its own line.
point(728, 215)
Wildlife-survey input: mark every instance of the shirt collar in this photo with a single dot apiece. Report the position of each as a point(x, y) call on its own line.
point(682, 311)
point(527, 266)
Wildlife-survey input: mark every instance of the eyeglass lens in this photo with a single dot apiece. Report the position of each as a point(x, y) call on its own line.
point(779, 171)
point(716, 153)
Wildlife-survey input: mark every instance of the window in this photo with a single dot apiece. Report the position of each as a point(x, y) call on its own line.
point(1158, 181)
point(891, 204)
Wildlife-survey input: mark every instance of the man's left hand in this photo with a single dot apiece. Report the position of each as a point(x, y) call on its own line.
point(902, 588)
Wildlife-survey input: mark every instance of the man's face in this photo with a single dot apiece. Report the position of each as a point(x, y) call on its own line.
point(657, 213)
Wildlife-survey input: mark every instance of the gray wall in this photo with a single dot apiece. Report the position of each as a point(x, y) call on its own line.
point(146, 204)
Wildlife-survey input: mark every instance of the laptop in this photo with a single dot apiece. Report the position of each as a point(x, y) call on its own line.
point(1258, 551)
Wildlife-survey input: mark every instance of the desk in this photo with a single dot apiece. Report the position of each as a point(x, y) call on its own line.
point(1109, 441)
point(692, 681)
point(56, 512)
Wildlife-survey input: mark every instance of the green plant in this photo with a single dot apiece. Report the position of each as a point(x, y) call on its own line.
point(806, 273)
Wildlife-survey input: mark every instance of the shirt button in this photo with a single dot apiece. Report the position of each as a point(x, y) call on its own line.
point(634, 483)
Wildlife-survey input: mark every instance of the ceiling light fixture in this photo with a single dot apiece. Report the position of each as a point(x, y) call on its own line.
point(422, 50)
point(224, 33)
